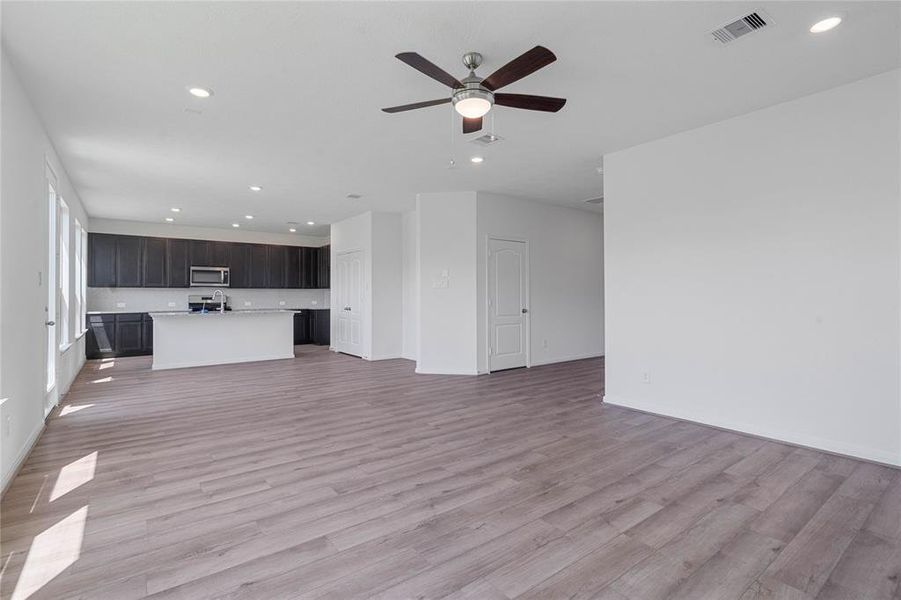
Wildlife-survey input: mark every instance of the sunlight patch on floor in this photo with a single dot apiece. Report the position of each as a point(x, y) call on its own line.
point(103, 380)
point(72, 408)
point(52, 552)
point(74, 474)
point(107, 365)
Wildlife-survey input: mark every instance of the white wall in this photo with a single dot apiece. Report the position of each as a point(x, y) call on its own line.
point(203, 233)
point(387, 286)
point(447, 283)
point(752, 272)
point(378, 237)
point(410, 235)
point(26, 150)
point(566, 297)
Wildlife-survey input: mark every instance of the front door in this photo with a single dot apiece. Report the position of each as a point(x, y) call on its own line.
point(349, 288)
point(508, 318)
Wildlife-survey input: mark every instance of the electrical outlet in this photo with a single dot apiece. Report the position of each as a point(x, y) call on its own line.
point(248, 303)
point(171, 305)
point(544, 344)
point(314, 302)
point(645, 377)
point(120, 305)
point(281, 302)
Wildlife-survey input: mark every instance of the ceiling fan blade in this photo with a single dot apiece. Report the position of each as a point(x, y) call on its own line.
point(432, 70)
point(519, 67)
point(472, 125)
point(415, 105)
point(545, 103)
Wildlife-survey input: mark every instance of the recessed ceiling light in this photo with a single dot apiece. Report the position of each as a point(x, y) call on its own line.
point(175, 209)
point(248, 217)
point(476, 159)
point(169, 219)
point(825, 25)
point(292, 230)
point(199, 92)
point(235, 225)
point(311, 223)
point(256, 188)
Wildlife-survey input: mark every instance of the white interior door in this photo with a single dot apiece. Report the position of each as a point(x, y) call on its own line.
point(349, 319)
point(508, 295)
point(51, 310)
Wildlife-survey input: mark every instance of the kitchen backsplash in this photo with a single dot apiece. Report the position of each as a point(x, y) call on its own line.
point(149, 299)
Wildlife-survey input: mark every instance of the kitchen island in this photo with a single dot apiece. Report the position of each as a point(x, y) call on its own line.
point(186, 339)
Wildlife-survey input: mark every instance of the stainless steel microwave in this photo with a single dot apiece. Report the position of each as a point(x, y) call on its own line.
point(209, 276)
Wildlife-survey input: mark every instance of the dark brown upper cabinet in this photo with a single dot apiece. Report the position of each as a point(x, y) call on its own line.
point(292, 267)
point(132, 261)
point(239, 264)
point(277, 260)
point(101, 260)
point(200, 252)
point(155, 263)
point(323, 266)
point(177, 258)
point(220, 254)
point(259, 266)
point(129, 259)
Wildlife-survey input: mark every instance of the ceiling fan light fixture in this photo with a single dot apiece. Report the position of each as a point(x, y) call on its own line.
point(473, 103)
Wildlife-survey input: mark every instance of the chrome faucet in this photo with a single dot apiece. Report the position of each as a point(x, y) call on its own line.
point(221, 300)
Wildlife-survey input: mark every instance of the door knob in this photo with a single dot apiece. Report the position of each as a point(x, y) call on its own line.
point(347, 308)
point(525, 310)
point(50, 323)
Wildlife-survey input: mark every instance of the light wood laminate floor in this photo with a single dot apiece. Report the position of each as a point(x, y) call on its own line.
point(332, 477)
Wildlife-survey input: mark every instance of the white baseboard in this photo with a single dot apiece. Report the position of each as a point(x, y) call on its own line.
point(20, 459)
point(789, 437)
point(560, 359)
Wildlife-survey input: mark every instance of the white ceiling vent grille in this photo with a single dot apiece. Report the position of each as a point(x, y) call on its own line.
point(598, 200)
point(741, 27)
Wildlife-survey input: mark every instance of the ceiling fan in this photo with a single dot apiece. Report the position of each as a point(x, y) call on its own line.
point(473, 96)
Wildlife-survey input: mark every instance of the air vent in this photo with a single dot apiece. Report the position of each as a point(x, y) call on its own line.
point(598, 200)
point(488, 138)
point(354, 196)
point(741, 27)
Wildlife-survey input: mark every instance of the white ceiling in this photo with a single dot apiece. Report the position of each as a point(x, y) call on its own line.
point(298, 88)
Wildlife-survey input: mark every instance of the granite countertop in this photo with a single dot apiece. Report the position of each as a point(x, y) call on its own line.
point(228, 313)
point(172, 311)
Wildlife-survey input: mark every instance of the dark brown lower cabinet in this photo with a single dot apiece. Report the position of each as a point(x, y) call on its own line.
point(322, 325)
point(312, 327)
point(302, 334)
point(119, 334)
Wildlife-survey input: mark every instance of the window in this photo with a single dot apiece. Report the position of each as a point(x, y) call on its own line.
point(83, 269)
point(79, 281)
point(65, 305)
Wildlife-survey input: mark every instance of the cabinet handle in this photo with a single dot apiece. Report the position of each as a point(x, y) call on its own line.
point(525, 310)
point(50, 323)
